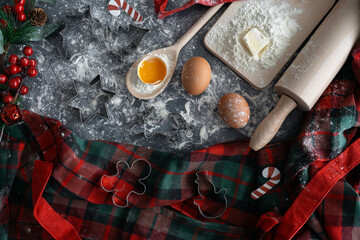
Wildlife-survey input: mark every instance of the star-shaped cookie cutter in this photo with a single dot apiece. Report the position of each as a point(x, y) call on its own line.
point(208, 203)
point(125, 179)
point(97, 106)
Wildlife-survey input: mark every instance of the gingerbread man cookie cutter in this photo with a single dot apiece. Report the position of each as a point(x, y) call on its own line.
point(211, 203)
point(125, 180)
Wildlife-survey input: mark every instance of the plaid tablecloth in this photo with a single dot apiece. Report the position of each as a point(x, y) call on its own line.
point(50, 182)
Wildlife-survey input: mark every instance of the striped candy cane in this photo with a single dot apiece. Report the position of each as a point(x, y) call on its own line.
point(115, 5)
point(274, 175)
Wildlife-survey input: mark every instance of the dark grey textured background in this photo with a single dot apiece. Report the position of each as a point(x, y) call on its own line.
point(93, 43)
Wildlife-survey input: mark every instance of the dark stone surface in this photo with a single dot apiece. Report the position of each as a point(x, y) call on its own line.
point(91, 42)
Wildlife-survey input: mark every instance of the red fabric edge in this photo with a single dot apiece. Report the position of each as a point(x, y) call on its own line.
point(160, 6)
point(47, 217)
point(161, 12)
point(356, 66)
point(316, 190)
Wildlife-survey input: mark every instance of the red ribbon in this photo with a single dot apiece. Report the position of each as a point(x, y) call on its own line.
point(48, 218)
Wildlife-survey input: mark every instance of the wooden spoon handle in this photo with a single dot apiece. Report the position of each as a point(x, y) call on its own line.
point(268, 128)
point(197, 26)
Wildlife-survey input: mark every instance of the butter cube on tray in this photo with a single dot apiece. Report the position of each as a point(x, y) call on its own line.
point(255, 41)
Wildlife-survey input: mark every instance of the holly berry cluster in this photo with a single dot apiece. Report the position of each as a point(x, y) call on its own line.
point(14, 74)
point(17, 28)
point(18, 9)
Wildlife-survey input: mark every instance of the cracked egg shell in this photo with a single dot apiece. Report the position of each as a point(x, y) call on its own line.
point(196, 75)
point(234, 110)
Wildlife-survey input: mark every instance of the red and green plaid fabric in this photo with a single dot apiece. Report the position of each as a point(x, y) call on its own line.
point(50, 182)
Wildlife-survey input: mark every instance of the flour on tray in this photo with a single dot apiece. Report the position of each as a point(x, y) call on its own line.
point(275, 19)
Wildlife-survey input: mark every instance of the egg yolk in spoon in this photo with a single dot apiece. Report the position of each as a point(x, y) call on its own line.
point(152, 70)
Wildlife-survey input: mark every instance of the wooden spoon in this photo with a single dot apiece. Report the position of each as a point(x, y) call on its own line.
point(171, 53)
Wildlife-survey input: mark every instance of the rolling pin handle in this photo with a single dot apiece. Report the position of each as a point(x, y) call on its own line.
point(268, 127)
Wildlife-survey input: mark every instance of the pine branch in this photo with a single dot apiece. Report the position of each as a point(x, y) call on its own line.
point(14, 31)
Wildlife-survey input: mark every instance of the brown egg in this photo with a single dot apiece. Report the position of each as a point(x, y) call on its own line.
point(196, 75)
point(234, 110)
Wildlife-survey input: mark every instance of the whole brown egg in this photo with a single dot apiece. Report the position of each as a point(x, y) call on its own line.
point(196, 75)
point(234, 110)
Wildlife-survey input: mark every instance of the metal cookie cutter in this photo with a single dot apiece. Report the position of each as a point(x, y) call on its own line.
point(211, 204)
point(126, 180)
point(172, 126)
point(91, 100)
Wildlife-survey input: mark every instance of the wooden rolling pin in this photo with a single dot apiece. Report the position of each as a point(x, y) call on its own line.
point(313, 69)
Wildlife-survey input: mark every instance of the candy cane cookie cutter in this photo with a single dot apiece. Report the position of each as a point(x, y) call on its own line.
point(114, 9)
point(274, 175)
point(205, 187)
point(111, 183)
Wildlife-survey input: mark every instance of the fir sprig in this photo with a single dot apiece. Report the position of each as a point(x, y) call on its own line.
point(15, 32)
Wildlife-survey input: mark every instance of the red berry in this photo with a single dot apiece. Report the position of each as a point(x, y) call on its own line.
point(31, 72)
point(3, 79)
point(18, 8)
point(14, 69)
point(3, 24)
point(28, 51)
point(13, 59)
point(24, 61)
point(17, 79)
point(22, 2)
point(32, 62)
point(21, 17)
point(7, 99)
point(14, 83)
point(24, 90)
